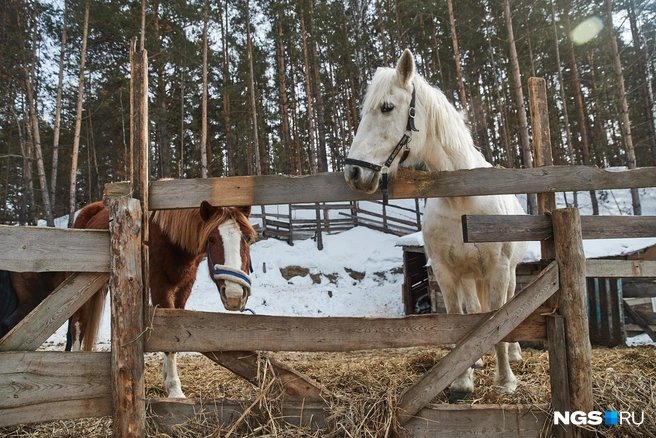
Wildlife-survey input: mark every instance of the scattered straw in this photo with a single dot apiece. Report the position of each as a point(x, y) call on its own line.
point(365, 388)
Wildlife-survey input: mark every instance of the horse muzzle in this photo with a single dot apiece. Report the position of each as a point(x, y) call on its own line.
point(361, 179)
point(234, 298)
point(236, 287)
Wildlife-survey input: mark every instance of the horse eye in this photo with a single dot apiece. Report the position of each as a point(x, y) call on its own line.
point(212, 240)
point(386, 107)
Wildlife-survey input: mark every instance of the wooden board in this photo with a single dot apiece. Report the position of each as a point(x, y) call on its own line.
point(505, 228)
point(491, 331)
point(332, 187)
point(52, 312)
point(48, 385)
point(465, 421)
point(186, 330)
point(40, 249)
point(620, 268)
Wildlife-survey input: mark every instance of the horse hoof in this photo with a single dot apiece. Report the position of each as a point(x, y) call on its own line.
point(458, 396)
point(507, 387)
point(478, 364)
point(514, 352)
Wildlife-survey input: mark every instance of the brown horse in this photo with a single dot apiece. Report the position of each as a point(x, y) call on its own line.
point(178, 242)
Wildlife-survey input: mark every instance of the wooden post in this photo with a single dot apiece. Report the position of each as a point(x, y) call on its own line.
point(126, 288)
point(139, 145)
point(573, 306)
point(556, 342)
point(318, 219)
point(537, 92)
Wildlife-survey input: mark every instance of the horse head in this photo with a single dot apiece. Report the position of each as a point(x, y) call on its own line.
point(388, 121)
point(228, 252)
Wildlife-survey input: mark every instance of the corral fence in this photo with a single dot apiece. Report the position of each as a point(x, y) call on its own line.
point(302, 221)
point(41, 386)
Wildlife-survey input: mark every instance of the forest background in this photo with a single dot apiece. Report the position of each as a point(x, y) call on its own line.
point(249, 87)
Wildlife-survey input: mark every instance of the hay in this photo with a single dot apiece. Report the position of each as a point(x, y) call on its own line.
point(365, 387)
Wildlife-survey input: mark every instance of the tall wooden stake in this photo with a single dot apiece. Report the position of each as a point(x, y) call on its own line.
point(126, 286)
point(573, 306)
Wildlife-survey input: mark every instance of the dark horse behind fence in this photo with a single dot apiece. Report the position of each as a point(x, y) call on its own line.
point(178, 242)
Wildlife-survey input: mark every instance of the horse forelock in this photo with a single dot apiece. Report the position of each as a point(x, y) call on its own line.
point(189, 231)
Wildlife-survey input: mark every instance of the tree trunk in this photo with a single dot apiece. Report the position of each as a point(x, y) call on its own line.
point(321, 128)
point(251, 86)
point(580, 112)
point(563, 98)
point(625, 123)
point(203, 130)
point(282, 94)
point(78, 121)
point(58, 105)
point(308, 93)
point(642, 71)
point(227, 119)
point(524, 142)
point(456, 52)
point(33, 130)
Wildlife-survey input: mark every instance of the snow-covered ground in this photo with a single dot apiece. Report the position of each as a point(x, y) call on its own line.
point(358, 271)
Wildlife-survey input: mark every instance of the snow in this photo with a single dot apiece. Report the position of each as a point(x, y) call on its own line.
point(359, 271)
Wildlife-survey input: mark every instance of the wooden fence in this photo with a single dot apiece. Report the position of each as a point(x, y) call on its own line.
point(289, 227)
point(101, 384)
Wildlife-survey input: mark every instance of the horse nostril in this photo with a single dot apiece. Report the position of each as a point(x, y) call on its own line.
point(355, 173)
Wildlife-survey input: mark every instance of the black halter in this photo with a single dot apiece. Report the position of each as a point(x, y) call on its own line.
point(402, 144)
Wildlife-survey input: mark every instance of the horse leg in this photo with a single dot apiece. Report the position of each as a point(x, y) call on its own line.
point(514, 350)
point(452, 290)
point(504, 376)
point(170, 375)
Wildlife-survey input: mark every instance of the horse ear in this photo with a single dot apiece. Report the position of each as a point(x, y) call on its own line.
point(246, 210)
point(206, 210)
point(405, 68)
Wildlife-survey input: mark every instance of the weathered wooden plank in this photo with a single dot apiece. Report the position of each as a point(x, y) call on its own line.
point(126, 288)
point(573, 306)
point(40, 249)
point(639, 320)
point(48, 385)
point(438, 421)
point(247, 364)
point(225, 412)
point(331, 187)
point(491, 331)
point(558, 377)
point(639, 289)
point(185, 330)
point(543, 155)
point(52, 312)
point(465, 421)
point(620, 268)
point(502, 228)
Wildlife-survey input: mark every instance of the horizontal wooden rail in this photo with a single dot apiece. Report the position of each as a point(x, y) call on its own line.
point(40, 249)
point(331, 187)
point(503, 228)
point(185, 330)
point(620, 268)
point(48, 385)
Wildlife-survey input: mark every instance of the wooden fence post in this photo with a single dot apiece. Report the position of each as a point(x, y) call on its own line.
point(573, 306)
point(126, 289)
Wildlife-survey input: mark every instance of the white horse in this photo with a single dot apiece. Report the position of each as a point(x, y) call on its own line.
point(400, 105)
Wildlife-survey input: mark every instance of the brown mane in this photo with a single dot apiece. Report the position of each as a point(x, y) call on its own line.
point(187, 229)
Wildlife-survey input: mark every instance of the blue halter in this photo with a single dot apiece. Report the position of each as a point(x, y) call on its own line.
point(223, 272)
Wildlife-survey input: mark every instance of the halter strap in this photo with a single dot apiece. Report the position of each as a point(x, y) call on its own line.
point(402, 144)
point(224, 272)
